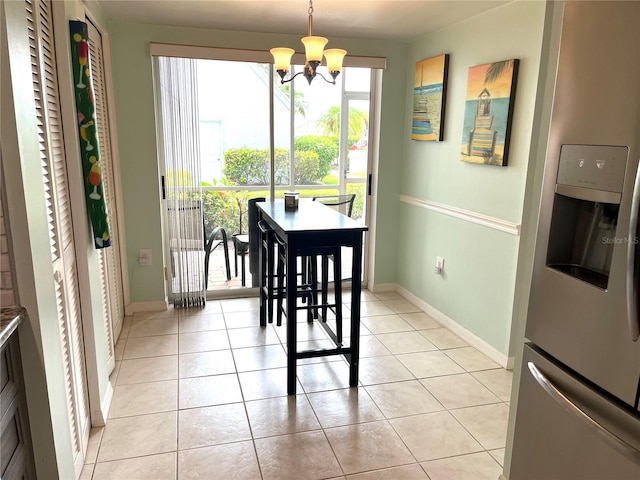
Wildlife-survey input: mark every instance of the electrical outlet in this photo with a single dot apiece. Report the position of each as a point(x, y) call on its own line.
point(144, 256)
point(439, 268)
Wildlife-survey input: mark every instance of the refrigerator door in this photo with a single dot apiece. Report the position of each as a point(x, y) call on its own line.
point(586, 325)
point(567, 430)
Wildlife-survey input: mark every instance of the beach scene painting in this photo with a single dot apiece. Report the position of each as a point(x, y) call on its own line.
point(488, 111)
point(429, 91)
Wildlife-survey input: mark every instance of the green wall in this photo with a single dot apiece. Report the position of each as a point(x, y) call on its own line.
point(477, 289)
point(133, 94)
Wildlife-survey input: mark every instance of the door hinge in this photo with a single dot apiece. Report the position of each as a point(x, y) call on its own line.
point(164, 194)
point(369, 180)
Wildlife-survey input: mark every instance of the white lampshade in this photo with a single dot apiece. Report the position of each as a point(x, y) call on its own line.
point(313, 47)
point(334, 58)
point(282, 57)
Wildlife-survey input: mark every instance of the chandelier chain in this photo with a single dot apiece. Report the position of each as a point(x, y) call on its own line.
point(310, 7)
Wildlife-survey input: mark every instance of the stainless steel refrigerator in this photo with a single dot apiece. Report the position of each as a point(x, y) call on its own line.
point(578, 415)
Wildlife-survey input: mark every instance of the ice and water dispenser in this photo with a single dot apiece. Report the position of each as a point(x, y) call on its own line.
point(585, 211)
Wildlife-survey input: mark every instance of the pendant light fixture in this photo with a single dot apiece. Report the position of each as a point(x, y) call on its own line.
point(313, 47)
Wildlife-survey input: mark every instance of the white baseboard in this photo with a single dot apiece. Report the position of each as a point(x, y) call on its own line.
point(158, 306)
point(471, 338)
point(99, 417)
point(383, 287)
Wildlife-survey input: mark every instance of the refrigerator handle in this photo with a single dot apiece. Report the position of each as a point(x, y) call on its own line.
point(613, 440)
point(632, 263)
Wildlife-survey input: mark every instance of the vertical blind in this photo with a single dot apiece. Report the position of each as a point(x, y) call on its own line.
point(179, 118)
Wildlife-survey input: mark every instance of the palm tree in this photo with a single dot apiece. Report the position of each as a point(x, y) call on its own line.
point(496, 69)
point(329, 122)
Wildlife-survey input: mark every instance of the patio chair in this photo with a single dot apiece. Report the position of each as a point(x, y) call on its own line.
point(187, 233)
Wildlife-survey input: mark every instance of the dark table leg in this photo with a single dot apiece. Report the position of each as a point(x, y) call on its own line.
point(291, 275)
point(262, 272)
point(356, 286)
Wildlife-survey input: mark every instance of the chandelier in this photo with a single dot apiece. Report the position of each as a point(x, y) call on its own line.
point(313, 47)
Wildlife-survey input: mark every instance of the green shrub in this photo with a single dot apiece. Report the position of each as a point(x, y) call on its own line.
point(326, 147)
point(250, 166)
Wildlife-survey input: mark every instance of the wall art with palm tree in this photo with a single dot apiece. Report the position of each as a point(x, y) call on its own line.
point(488, 112)
point(429, 94)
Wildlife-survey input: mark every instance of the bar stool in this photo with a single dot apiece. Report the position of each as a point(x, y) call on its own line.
point(307, 289)
point(267, 267)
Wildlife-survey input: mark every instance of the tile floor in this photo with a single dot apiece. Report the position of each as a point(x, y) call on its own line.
point(202, 395)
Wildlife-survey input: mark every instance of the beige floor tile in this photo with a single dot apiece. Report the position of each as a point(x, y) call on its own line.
point(365, 296)
point(400, 399)
point(477, 466)
point(368, 446)
point(321, 376)
point(371, 346)
point(434, 435)
point(498, 455)
point(401, 305)
point(202, 364)
point(429, 364)
point(145, 327)
point(203, 341)
point(406, 342)
point(498, 381)
point(152, 346)
point(138, 436)
point(259, 358)
point(201, 323)
point(370, 309)
point(153, 369)
point(95, 437)
point(206, 426)
point(253, 336)
point(152, 467)
point(443, 338)
point(170, 312)
point(420, 320)
point(406, 472)
point(387, 295)
point(281, 415)
point(375, 370)
point(144, 398)
point(211, 390)
point(261, 384)
point(113, 376)
point(232, 460)
point(118, 351)
point(346, 406)
point(249, 318)
point(471, 359)
point(211, 307)
point(126, 327)
point(457, 391)
point(87, 471)
point(487, 423)
point(386, 324)
point(240, 305)
point(304, 332)
point(299, 456)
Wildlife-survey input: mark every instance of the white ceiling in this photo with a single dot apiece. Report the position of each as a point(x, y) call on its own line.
point(402, 20)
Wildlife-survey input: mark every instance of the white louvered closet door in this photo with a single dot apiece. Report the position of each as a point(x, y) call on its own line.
point(54, 175)
point(110, 263)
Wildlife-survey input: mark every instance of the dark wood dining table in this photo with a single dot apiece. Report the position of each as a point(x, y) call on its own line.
point(310, 226)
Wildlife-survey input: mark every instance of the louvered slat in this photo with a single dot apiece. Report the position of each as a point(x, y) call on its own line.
point(59, 216)
point(113, 272)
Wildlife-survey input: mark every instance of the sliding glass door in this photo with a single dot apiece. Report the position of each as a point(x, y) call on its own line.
point(249, 125)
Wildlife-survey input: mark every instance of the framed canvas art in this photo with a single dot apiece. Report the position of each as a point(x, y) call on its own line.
point(488, 112)
point(429, 92)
